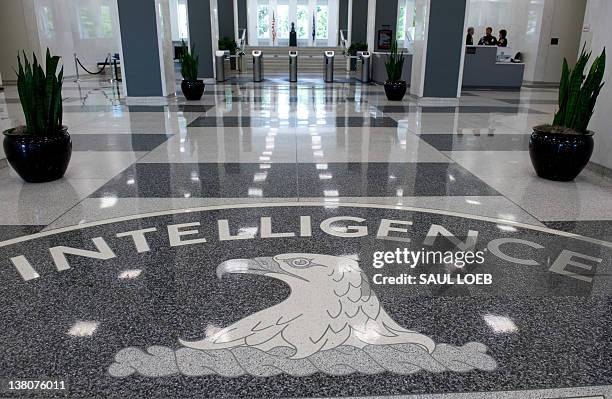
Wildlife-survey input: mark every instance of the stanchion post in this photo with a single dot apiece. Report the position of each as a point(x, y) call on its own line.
point(76, 67)
point(112, 80)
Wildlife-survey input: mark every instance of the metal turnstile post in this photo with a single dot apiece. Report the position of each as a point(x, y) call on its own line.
point(363, 66)
point(220, 66)
point(329, 66)
point(293, 59)
point(257, 66)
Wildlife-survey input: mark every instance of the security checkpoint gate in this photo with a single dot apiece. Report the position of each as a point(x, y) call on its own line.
point(293, 59)
point(363, 66)
point(220, 65)
point(329, 66)
point(257, 66)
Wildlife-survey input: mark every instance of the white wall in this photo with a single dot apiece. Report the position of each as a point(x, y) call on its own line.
point(34, 25)
point(597, 34)
point(531, 24)
point(14, 35)
point(79, 27)
point(563, 20)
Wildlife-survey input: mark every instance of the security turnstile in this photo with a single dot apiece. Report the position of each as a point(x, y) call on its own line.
point(329, 66)
point(257, 66)
point(363, 66)
point(293, 59)
point(220, 65)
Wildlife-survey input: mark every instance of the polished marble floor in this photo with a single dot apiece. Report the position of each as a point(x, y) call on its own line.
point(247, 152)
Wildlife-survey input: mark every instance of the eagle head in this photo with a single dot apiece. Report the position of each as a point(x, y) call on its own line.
point(331, 304)
point(291, 268)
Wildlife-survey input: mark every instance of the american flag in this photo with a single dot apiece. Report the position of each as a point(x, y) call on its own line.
point(273, 29)
point(314, 31)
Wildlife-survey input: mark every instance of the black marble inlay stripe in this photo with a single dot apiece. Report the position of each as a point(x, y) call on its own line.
point(478, 142)
point(12, 231)
point(229, 180)
point(234, 180)
point(309, 100)
point(389, 180)
point(528, 101)
point(466, 109)
point(600, 229)
point(139, 108)
point(245, 121)
point(117, 142)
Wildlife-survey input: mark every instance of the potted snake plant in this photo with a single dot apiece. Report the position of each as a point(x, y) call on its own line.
point(40, 151)
point(395, 87)
point(560, 151)
point(192, 87)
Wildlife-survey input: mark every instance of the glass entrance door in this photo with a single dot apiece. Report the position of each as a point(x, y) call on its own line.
point(316, 22)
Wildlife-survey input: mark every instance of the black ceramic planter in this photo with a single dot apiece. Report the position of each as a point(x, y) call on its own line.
point(38, 159)
point(558, 156)
point(192, 89)
point(395, 91)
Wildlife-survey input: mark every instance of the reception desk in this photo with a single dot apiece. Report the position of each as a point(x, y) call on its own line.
point(481, 70)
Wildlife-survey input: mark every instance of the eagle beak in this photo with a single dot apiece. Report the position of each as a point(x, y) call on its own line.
point(259, 266)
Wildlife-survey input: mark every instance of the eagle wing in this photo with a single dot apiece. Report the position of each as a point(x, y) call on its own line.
point(262, 330)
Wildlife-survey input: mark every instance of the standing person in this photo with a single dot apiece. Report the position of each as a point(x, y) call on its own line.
point(469, 39)
point(488, 39)
point(503, 38)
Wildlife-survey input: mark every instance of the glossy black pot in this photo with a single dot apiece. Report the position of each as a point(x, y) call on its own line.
point(559, 156)
point(395, 91)
point(38, 159)
point(192, 89)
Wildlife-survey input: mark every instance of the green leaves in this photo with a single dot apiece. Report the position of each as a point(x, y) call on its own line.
point(577, 94)
point(227, 43)
point(189, 62)
point(394, 64)
point(40, 94)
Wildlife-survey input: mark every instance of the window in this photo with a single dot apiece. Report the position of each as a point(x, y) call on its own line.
point(86, 23)
point(401, 23)
point(263, 22)
point(321, 18)
point(282, 30)
point(302, 22)
point(106, 22)
point(47, 22)
point(183, 23)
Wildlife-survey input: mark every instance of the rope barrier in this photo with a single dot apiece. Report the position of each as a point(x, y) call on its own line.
point(106, 63)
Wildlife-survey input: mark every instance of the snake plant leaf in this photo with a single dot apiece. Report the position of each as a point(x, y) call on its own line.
point(578, 94)
point(40, 94)
point(576, 79)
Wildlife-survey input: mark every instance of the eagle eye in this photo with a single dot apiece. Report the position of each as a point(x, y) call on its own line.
point(299, 263)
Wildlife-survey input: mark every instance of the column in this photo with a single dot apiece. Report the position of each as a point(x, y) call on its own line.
point(242, 16)
point(437, 63)
point(146, 44)
point(385, 18)
point(359, 21)
point(226, 18)
point(203, 34)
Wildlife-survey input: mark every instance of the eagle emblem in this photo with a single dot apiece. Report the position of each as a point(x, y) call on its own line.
point(331, 322)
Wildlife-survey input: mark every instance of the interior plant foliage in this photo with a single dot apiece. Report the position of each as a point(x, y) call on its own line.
point(189, 62)
point(394, 64)
point(355, 47)
point(578, 94)
point(40, 94)
point(227, 43)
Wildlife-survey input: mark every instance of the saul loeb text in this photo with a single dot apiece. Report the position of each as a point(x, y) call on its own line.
point(413, 259)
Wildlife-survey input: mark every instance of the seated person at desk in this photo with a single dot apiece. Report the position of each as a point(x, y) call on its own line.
point(488, 39)
point(503, 38)
point(469, 39)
